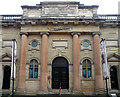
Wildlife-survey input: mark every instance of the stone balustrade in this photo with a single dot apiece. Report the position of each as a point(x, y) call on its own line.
point(10, 17)
point(109, 17)
point(115, 17)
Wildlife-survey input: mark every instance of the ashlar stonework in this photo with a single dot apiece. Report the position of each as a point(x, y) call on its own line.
point(58, 46)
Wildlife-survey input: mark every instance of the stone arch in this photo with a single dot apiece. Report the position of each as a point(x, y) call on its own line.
point(59, 56)
point(85, 59)
point(63, 62)
point(34, 58)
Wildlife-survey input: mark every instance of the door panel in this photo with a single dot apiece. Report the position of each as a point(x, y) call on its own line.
point(60, 75)
point(64, 78)
point(6, 79)
point(113, 76)
point(55, 78)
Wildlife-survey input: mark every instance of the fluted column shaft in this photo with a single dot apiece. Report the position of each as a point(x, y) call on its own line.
point(97, 61)
point(44, 60)
point(76, 65)
point(23, 55)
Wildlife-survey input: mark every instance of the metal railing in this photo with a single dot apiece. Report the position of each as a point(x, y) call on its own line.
point(109, 17)
point(10, 17)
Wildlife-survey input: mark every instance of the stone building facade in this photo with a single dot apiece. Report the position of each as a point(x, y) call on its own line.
point(58, 45)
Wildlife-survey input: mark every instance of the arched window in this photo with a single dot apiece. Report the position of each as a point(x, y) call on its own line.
point(33, 69)
point(86, 68)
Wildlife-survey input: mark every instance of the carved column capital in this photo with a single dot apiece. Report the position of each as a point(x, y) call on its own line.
point(96, 33)
point(24, 33)
point(42, 33)
point(74, 33)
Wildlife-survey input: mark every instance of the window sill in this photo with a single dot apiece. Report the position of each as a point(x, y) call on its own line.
point(87, 79)
point(32, 79)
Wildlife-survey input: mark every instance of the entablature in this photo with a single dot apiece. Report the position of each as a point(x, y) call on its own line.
point(101, 20)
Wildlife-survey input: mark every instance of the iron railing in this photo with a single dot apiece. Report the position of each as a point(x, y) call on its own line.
point(10, 17)
point(109, 17)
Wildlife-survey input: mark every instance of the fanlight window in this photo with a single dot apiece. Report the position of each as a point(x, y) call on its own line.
point(33, 69)
point(86, 68)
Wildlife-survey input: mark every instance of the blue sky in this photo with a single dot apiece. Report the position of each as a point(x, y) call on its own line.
point(14, 6)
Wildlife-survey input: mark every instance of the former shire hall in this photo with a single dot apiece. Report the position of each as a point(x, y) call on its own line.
point(58, 44)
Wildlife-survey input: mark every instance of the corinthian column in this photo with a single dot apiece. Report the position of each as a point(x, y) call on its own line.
point(98, 67)
point(76, 65)
point(23, 55)
point(44, 60)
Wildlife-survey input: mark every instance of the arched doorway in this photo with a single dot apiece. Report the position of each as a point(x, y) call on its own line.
point(6, 77)
point(60, 73)
point(113, 77)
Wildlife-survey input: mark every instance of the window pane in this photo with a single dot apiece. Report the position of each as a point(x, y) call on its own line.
point(34, 62)
point(85, 44)
point(89, 72)
point(33, 69)
point(31, 73)
point(34, 44)
point(36, 73)
point(84, 63)
point(88, 64)
point(84, 72)
point(36, 66)
point(31, 66)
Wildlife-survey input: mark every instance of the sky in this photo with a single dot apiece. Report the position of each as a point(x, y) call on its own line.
point(14, 6)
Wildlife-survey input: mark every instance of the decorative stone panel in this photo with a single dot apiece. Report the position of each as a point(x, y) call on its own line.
point(30, 47)
point(85, 45)
point(60, 43)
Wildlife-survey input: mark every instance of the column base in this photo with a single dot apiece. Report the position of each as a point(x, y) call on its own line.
point(101, 95)
point(43, 91)
point(19, 91)
point(77, 92)
point(100, 91)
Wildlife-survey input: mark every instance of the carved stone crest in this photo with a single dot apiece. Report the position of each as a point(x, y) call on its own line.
point(61, 28)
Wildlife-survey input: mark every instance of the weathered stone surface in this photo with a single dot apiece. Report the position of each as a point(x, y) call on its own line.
point(59, 9)
point(1, 70)
point(98, 68)
point(60, 19)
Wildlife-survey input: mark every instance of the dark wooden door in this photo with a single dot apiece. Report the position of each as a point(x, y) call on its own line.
point(60, 78)
point(6, 78)
point(113, 76)
point(60, 73)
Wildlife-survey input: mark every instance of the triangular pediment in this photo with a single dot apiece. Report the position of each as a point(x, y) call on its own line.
point(114, 58)
point(6, 57)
